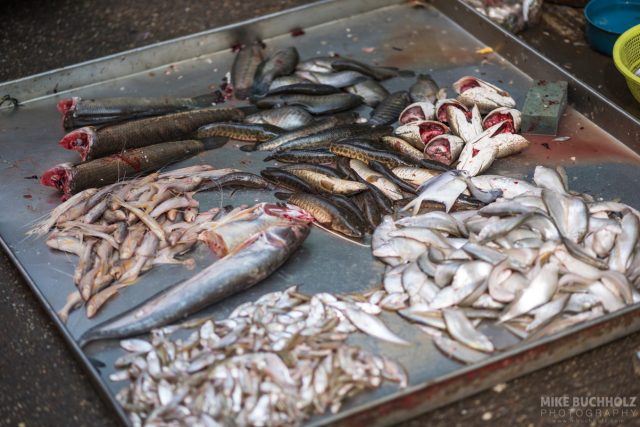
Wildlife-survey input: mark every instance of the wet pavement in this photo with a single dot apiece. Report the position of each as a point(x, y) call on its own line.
point(40, 382)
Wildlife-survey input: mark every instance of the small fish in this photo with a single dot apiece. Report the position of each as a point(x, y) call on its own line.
point(389, 188)
point(287, 118)
point(425, 89)
point(303, 88)
point(373, 326)
point(400, 146)
point(318, 126)
point(244, 68)
point(308, 156)
point(315, 104)
point(338, 79)
point(462, 330)
point(375, 72)
point(325, 138)
point(539, 292)
point(365, 154)
point(444, 188)
point(281, 63)
point(326, 213)
point(458, 351)
point(239, 131)
point(625, 243)
point(372, 92)
point(329, 184)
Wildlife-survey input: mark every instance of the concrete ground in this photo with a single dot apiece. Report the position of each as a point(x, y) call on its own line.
point(40, 382)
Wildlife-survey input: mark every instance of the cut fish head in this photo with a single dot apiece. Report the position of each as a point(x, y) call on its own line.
point(511, 116)
point(443, 104)
point(79, 140)
point(418, 111)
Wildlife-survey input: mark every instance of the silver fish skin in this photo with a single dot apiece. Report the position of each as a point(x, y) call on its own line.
point(569, 213)
point(371, 91)
point(373, 326)
point(339, 79)
point(462, 330)
point(510, 187)
point(550, 179)
point(625, 243)
point(539, 292)
point(445, 188)
point(248, 265)
point(468, 277)
point(458, 351)
point(545, 313)
point(288, 118)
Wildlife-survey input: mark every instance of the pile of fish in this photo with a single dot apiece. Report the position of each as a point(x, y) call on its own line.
point(125, 150)
point(534, 262)
point(124, 229)
point(272, 362)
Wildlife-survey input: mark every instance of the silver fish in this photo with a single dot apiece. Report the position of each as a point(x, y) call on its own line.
point(462, 330)
point(248, 265)
point(458, 351)
point(372, 326)
point(539, 292)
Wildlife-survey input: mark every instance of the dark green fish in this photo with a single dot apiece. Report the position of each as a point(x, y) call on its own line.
point(321, 104)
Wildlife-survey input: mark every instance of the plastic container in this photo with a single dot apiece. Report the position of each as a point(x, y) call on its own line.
point(626, 56)
point(607, 19)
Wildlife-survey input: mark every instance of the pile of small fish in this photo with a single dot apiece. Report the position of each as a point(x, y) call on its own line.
point(534, 262)
point(125, 228)
point(272, 362)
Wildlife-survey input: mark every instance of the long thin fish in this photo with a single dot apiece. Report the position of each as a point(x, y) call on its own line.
point(78, 112)
point(92, 143)
point(70, 179)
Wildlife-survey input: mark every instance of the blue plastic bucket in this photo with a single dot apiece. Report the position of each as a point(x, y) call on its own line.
point(607, 19)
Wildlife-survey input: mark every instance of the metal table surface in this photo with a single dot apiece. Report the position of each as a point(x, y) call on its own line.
point(16, 406)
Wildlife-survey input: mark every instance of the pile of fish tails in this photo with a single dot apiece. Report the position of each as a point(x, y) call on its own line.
point(534, 262)
point(276, 361)
point(124, 229)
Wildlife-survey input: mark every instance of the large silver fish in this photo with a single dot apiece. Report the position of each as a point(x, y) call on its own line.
point(249, 264)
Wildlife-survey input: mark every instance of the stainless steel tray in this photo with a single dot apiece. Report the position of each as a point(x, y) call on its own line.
point(439, 37)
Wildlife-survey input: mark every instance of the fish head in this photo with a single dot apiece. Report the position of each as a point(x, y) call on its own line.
point(288, 212)
point(443, 104)
point(417, 111)
point(79, 140)
point(467, 83)
point(67, 105)
point(444, 148)
point(58, 177)
point(511, 116)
